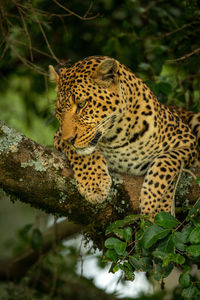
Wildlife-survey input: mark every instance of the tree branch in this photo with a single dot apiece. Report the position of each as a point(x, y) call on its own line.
point(42, 177)
point(15, 268)
point(184, 57)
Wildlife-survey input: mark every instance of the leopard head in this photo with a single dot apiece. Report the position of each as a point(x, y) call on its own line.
point(89, 99)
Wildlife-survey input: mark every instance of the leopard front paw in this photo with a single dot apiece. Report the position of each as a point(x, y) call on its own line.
point(96, 188)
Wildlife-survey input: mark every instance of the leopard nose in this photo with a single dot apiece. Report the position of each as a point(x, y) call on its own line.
point(71, 140)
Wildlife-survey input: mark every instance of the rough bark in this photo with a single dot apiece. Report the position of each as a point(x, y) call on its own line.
point(42, 177)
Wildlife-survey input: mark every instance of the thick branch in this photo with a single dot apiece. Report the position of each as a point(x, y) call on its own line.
point(41, 177)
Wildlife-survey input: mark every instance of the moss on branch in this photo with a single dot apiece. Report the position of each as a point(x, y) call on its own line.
point(42, 177)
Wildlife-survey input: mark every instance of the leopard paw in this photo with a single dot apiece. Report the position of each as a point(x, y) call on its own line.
point(96, 189)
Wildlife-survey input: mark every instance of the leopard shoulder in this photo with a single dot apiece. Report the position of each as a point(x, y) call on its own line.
point(110, 119)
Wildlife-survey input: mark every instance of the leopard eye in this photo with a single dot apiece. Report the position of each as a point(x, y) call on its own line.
point(81, 104)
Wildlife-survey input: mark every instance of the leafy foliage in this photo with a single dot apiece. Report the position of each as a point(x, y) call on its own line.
point(28, 235)
point(158, 40)
point(53, 275)
point(156, 248)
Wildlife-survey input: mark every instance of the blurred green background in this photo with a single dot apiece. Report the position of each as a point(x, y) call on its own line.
point(158, 40)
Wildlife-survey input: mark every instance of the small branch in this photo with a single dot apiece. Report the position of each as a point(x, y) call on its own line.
point(88, 10)
point(44, 35)
point(184, 57)
point(178, 29)
point(21, 12)
point(74, 14)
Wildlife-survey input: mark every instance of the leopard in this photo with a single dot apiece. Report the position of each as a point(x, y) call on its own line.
point(110, 121)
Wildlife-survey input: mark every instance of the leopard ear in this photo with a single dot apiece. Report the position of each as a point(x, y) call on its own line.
point(106, 74)
point(53, 75)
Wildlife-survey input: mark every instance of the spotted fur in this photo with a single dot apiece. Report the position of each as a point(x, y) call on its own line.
point(110, 119)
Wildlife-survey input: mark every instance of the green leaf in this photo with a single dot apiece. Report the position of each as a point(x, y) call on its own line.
point(159, 254)
point(130, 219)
point(129, 275)
point(184, 280)
point(185, 233)
point(154, 87)
point(172, 257)
point(119, 232)
point(135, 263)
point(109, 243)
point(111, 255)
point(116, 244)
point(161, 272)
point(124, 234)
point(169, 257)
point(197, 180)
point(115, 268)
point(190, 292)
point(127, 234)
point(115, 225)
point(187, 269)
point(179, 240)
point(166, 245)
point(24, 232)
point(144, 224)
point(196, 222)
point(127, 265)
point(165, 220)
point(128, 271)
point(165, 87)
point(193, 250)
point(152, 234)
point(194, 237)
point(121, 223)
point(194, 211)
point(157, 64)
point(120, 247)
point(146, 263)
point(36, 239)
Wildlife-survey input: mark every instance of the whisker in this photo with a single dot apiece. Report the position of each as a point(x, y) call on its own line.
point(105, 122)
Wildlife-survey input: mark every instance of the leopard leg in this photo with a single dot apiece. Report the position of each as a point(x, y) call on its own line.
point(90, 171)
point(157, 192)
point(194, 124)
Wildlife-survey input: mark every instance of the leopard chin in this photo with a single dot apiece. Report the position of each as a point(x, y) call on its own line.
point(85, 151)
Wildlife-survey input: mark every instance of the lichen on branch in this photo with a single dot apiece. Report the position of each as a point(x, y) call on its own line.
point(42, 177)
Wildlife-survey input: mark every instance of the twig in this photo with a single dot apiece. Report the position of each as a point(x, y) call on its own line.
point(33, 48)
point(184, 57)
point(4, 51)
point(21, 12)
point(40, 11)
point(44, 35)
point(74, 14)
point(28, 63)
point(89, 9)
point(178, 29)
